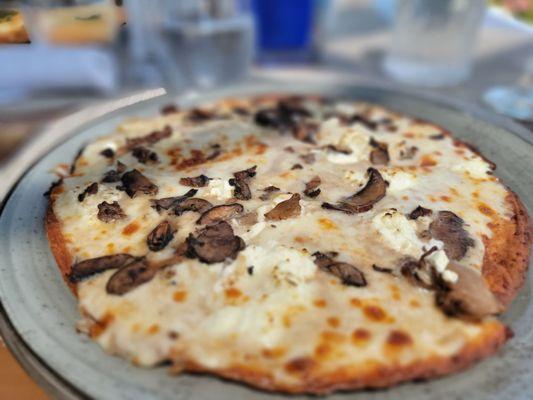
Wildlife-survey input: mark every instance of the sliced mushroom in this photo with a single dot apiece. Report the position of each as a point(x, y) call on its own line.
point(200, 115)
point(144, 155)
point(242, 178)
point(247, 219)
point(193, 204)
point(160, 236)
point(419, 212)
point(383, 270)
point(169, 202)
point(347, 273)
point(469, 296)
point(362, 201)
point(214, 243)
point(197, 181)
point(286, 209)
point(297, 166)
point(130, 276)
point(363, 120)
point(268, 192)
point(448, 228)
point(108, 153)
point(86, 268)
point(114, 175)
point(134, 182)
point(108, 212)
point(223, 212)
point(408, 153)
point(380, 153)
point(89, 190)
point(149, 139)
point(169, 109)
point(285, 116)
point(311, 187)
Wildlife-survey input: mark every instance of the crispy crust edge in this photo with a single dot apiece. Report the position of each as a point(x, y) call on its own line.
point(374, 376)
point(508, 251)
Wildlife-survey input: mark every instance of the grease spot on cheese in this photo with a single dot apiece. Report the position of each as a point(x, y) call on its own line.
point(179, 296)
point(131, 228)
point(327, 224)
point(360, 336)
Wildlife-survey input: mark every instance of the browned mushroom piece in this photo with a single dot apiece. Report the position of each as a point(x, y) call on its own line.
point(240, 182)
point(130, 276)
point(108, 212)
point(149, 139)
point(297, 166)
point(144, 155)
point(469, 296)
point(92, 266)
point(308, 158)
point(286, 209)
point(448, 228)
point(133, 182)
point(160, 236)
point(89, 190)
point(418, 212)
point(114, 174)
point(383, 270)
point(170, 109)
point(347, 273)
point(196, 181)
point(362, 201)
point(169, 202)
point(108, 153)
point(248, 219)
point(408, 153)
point(311, 187)
point(200, 115)
point(214, 243)
point(379, 155)
point(193, 204)
point(223, 212)
point(268, 192)
point(305, 131)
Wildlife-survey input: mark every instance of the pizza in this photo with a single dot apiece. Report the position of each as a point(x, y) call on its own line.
point(293, 243)
point(12, 28)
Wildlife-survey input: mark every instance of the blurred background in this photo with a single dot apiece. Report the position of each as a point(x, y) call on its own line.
point(57, 56)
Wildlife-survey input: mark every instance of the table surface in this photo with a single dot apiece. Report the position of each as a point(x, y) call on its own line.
point(357, 45)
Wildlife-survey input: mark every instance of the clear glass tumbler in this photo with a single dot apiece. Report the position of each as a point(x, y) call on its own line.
point(432, 41)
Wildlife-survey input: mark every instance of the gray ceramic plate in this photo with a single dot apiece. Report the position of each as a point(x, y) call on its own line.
point(39, 312)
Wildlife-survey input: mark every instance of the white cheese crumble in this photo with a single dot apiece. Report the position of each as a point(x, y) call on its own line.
point(475, 167)
point(279, 262)
point(219, 188)
point(440, 261)
point(351, 138)
point(398, 180)
point(398, 232)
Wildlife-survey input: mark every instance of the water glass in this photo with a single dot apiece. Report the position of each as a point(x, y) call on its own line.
point(432, 41)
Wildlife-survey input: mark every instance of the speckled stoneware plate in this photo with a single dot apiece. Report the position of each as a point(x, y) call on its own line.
point(39, 312)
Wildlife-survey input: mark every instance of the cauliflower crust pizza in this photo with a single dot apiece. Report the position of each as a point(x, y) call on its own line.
point(296, 244)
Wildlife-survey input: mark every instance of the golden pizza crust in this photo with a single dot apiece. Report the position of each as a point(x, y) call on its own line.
point(314, 381)
point(504, 268)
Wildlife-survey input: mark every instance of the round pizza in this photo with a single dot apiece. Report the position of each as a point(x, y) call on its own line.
point(293, 243)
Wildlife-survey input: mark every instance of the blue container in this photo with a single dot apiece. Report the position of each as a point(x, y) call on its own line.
point(284, 30)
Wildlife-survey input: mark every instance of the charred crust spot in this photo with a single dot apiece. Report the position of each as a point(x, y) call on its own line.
point(241, 183)
point(347, 273)
point(86, 268)
point(130, 276)
point(169, 109)
point(193, 204)
point(108, 212)
point(167, 203)
point(418, 212)
point(448, 228)
point(149, 139)
point(223, 212)
point(196, 181)
point(214, 243)
point(362, 201)
point(160, 236)
point(311, 187)
point(108, 153)
point(144, 155)
point(286, 209)
point(399, 338)
point(133, 182)
point(89, 190)
point(53, 185)
point(380, 153)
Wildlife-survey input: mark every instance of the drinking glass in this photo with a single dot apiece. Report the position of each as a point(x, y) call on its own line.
point(432, 41)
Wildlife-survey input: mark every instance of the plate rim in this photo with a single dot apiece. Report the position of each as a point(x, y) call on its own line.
point(45, 376)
